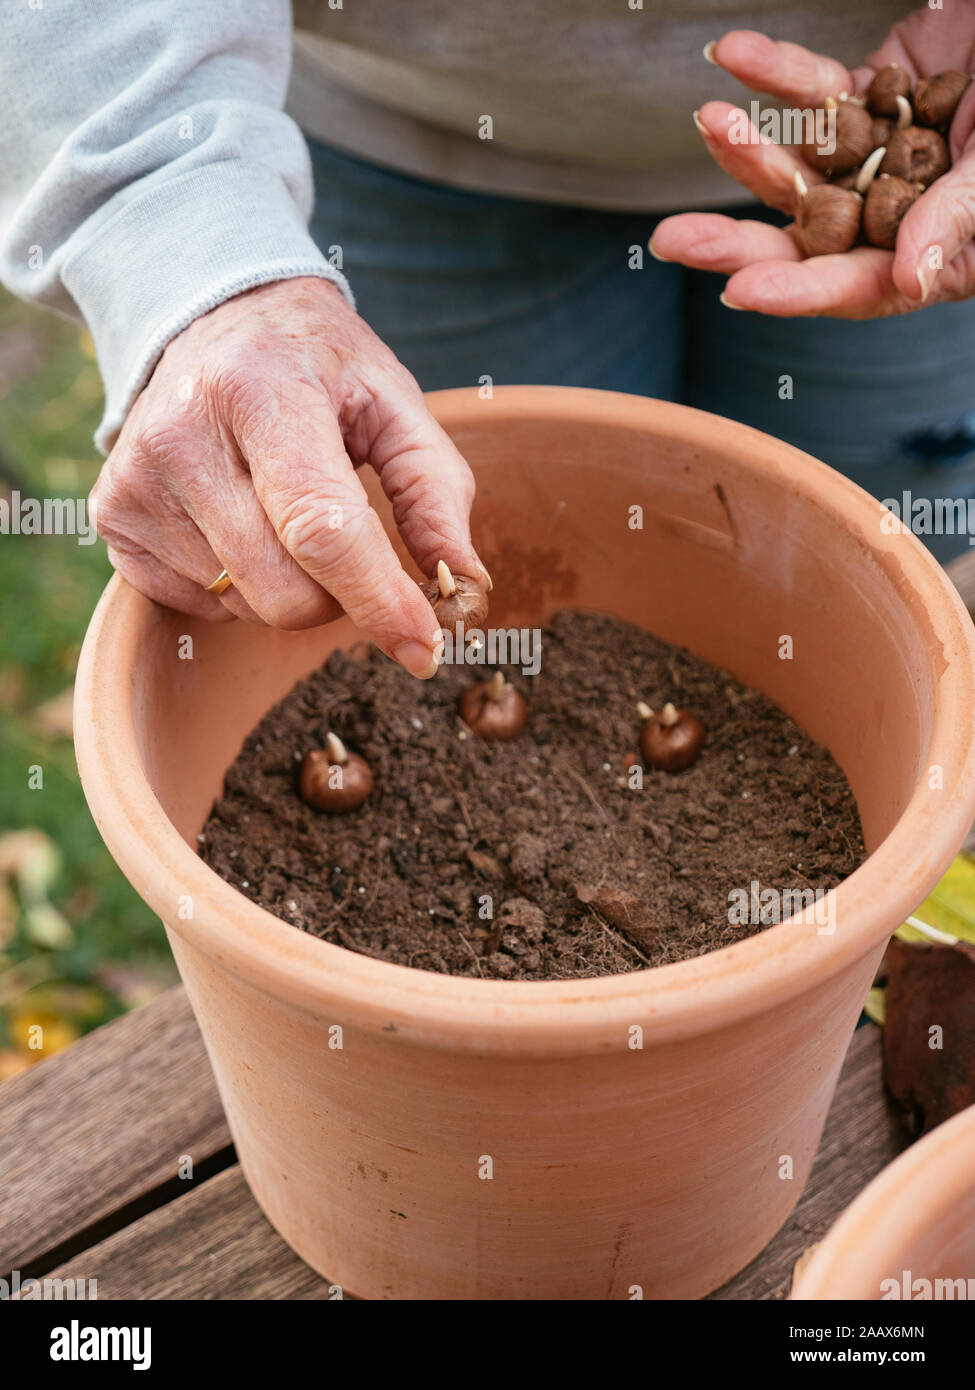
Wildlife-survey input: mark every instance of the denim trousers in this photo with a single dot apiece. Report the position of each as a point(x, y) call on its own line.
point(464, 286)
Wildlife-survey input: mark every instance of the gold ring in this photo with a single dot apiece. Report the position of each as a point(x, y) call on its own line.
point(220, 585)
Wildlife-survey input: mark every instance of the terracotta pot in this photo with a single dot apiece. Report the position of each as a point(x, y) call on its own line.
point(615, 1168)
point(915, 1222)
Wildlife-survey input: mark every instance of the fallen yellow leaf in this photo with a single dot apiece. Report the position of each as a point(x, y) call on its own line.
point(48, 927)
point(41, 1034)
point(950, 907)
point(875, 1005)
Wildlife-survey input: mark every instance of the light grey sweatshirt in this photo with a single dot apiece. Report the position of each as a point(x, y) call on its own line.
point(148, 170)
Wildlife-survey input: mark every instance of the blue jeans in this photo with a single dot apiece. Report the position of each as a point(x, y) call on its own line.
point(462, 286)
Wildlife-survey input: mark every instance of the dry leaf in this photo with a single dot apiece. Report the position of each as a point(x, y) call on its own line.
point(37, 1032)
point(950, 908)
point(31, 857)
point(875, 1005)
point(929, 1035)
point(48, 927)
point(621, 910)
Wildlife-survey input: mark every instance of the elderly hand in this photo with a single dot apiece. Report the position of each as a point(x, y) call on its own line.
point(766, 269)
point(240, 453)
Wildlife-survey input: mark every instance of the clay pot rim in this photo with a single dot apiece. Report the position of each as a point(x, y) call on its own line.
point(552, 1017)
point(867, 1242)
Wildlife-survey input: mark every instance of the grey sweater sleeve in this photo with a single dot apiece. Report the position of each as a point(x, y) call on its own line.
point(147, 171)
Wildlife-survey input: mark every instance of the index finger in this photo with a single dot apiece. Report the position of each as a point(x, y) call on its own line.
point(309, 489)
point(766, 169)
point(780, 69)
point(426, 478)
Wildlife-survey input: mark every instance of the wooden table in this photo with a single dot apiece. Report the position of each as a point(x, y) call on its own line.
point(91, 1140)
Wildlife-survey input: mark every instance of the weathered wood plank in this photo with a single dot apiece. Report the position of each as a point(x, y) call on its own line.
point(863, 1134)
point(99, 1126)
point(212, 1244)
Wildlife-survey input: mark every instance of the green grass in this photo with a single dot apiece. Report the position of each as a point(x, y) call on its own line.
point(50, 404)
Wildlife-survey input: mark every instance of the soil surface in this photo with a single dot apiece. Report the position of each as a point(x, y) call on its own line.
point(582, 873)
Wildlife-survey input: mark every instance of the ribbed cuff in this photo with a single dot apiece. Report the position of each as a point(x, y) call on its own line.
point(175, 252)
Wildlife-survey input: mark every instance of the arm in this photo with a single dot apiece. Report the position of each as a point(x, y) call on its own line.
point(148, 171)
point(153, 186)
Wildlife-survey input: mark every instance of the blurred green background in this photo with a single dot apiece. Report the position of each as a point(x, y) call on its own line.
point(77, 946)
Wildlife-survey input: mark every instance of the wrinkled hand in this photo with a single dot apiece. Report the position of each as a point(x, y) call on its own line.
point(766, 268)
point(240, 453)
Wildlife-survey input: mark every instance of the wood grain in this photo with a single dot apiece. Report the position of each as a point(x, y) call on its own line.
point(212, 1244)
point(101, 1125)
point(863, 1134)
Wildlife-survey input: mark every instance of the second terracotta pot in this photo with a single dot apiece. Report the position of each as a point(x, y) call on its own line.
point(420, 1136)
point(910, 1235)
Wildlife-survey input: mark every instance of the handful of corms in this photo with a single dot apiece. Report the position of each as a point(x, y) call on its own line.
point(890, 145)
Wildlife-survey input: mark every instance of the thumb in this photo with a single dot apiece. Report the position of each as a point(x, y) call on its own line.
point(935, 229)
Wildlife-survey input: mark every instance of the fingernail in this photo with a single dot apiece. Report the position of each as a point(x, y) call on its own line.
point(696, 118)
point(708, 52)
point(727, 302)
point(925, 275)
point(487, 578)
point(656, 254)
point(419, 660)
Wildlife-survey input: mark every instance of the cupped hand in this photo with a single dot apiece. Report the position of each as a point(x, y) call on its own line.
point(934, 257)
point(241, 453)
